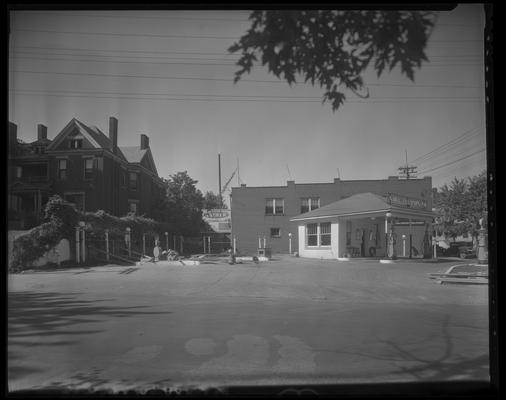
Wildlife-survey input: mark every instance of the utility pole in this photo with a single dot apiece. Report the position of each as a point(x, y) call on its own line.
point(219, 178)
point(407, 172)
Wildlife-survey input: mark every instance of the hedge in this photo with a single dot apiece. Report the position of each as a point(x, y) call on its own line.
point(60, 220)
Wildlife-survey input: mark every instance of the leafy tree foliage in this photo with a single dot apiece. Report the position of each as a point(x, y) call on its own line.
point(462, 204)
point(333, 48)
point(182, 206)
point(212, 200)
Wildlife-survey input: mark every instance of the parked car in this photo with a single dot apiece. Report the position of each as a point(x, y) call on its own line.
point(457, 249)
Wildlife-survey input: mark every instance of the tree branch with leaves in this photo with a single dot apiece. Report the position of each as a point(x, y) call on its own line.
point(334, 48)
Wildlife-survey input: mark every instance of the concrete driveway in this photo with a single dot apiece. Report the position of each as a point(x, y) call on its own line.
point(288, 321)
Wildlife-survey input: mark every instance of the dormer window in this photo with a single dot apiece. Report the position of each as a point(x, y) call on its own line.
point(76, 143)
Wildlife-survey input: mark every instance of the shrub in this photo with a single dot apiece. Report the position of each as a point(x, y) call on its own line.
point(60, 219)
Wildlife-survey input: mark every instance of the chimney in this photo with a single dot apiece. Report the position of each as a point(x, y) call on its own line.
point(113, 134)
point(144, 141)
point(41, 132)
point(243, 185)
point(13, 138)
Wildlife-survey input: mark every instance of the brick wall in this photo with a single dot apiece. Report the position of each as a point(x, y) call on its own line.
point(249, 220)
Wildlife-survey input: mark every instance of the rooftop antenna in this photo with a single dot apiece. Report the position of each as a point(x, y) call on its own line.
point(238, 177)
point(289, 174)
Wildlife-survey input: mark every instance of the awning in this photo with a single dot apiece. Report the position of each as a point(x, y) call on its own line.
point(367, 204)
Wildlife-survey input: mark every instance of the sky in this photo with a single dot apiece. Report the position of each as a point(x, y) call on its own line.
point(167, 74)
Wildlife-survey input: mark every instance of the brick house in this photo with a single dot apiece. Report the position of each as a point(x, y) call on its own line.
point(84, 166)
point(266, 212)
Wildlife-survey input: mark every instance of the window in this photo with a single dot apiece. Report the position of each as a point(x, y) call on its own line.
point(62, 169)
point(318, 234)
point(76, 143)
point(312, 234)
point(19, 172)
point(132, 181)
point(88, 168)
point(274, 206)
point(309, 204)
point(33, 171)
point(325, 234)
point(132, 205)
point(275, 232)
point(75, 198)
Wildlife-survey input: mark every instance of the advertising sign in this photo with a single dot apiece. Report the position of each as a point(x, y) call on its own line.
point(218, 219)
point(407, 202)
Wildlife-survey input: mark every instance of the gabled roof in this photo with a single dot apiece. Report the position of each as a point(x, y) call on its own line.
point(89, 134)
point(131, 154)
point(357, 204)
point(135, 155)
point(98, 135)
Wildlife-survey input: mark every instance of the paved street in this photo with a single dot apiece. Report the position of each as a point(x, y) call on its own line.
point(288, 321)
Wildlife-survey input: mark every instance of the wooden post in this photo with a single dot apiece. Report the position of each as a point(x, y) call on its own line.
point(84, 246)
point(143, 244)
point(235, 245)
point(78, 258)
point(181, 244)
point(166, 240)
point(107, 245)
point(204, 243)
point(175, 242)
point(259, 242)
point(129, 243)
point(209, 244)
point(264, 243)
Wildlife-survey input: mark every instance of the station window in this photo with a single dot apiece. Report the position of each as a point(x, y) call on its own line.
point(325, 234)
point(318, 234)
point(312, 234)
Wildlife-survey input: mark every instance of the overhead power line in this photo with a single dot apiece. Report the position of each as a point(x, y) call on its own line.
point(152, 35)
point(123, 62)
point(445, 145)
point(217, 79)
point(231, 95)
point(444, 153)
point(192, 52)
point(136, 17)
point(452, 162)
point(191, 63)
point(45, 53)
point(234, 99)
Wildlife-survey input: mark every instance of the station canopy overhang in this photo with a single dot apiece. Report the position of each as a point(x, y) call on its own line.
point(369, 205)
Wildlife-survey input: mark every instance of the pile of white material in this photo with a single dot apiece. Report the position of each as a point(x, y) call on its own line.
point(166, 263)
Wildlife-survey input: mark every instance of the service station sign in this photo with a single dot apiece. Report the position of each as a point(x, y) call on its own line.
point(219, 220)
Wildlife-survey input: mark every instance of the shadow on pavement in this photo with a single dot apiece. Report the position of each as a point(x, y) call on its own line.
point(43, 319)
point(447, 367)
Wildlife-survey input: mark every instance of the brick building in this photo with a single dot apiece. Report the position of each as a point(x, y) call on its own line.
point(265, 212)
point(84, 166)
